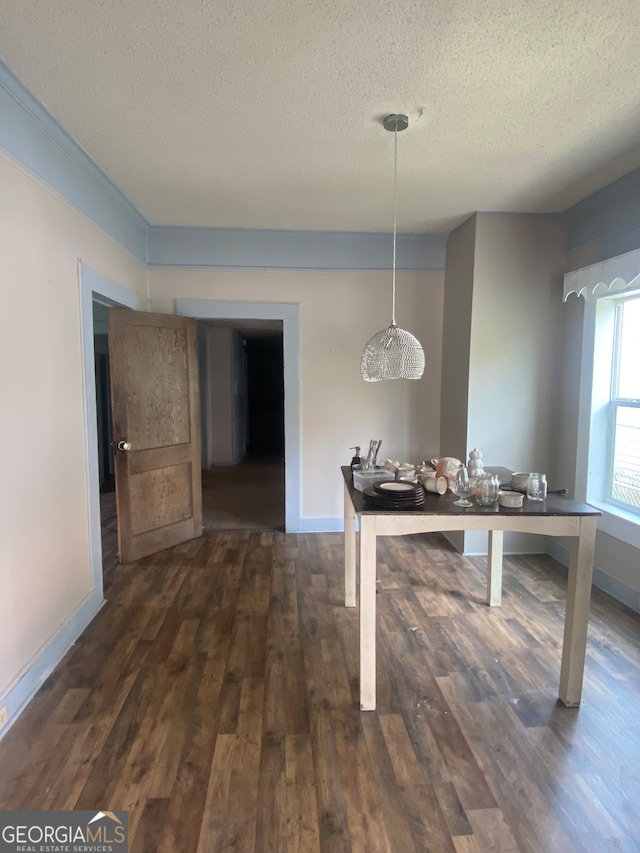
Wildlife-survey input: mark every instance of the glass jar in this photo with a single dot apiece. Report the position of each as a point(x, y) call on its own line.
point(487, 490)
point(537, 487)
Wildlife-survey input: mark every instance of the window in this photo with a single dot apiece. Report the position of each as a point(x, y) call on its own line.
point(608, 400)
point(624, 466)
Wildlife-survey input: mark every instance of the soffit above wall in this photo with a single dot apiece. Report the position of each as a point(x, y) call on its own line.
point(266, 114)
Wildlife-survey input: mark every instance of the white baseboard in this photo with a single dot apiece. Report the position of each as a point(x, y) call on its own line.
point(612, 586)
point(46, 660)
point(334, 524)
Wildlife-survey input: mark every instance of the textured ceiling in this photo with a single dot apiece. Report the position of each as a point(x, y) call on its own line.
point(265, 114)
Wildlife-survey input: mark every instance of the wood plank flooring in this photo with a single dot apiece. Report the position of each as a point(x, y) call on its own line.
point(216, 698)
point(247, 496)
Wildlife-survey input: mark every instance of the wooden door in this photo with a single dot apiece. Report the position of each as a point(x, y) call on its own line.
point(156, 431)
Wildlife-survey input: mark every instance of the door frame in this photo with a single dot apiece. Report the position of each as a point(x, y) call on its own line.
point(95, 288)
point(289, 314)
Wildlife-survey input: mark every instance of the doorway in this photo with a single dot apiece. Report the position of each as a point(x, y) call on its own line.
point(250, 494)
point(243, 437)
point(106, 474)
point(289, 315)
point(94, 288)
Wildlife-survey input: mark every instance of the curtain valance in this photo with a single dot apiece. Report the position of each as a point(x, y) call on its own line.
point(614, 275)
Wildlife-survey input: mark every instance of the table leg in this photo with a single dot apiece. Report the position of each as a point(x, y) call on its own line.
point(349, 550)
point(367, 613)
point(576, 619)
point(494, 568)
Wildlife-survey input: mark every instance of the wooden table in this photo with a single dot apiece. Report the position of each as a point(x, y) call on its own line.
point(557, 516)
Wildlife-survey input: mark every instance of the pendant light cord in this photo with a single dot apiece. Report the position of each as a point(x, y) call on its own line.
point(395, 225)
point(393, 353)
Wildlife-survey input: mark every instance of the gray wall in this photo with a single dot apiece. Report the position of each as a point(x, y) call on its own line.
point(515, 339)
point(515, 347)
point(458, 300)
point(456, 340)
point(503, 303)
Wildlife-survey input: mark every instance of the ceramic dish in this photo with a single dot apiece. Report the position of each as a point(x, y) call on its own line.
point(396, 486)
point(393, 507)
point(406, 491)
point(513, 500)
point(398, 492)
point(519, 481)
point(405, 499)
point(394, 500)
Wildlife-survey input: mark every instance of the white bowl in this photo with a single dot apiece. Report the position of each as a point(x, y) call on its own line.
point(513, 500)
point(519, 481)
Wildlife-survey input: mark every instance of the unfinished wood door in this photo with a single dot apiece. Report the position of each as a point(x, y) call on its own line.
point(156, 430)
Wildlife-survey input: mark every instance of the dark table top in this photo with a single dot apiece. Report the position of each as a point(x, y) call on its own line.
point(444, 504)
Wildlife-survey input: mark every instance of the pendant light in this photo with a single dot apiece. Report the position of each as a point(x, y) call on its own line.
point(393, 353)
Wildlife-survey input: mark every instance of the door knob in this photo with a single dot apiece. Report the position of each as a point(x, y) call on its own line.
point(124, 445)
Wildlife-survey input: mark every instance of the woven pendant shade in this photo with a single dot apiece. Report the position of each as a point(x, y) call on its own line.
point(393, 353)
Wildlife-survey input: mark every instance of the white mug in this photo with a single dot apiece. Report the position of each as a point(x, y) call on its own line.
point(436, 485)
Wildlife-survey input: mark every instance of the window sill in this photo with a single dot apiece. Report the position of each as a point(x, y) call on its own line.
point(618, 523)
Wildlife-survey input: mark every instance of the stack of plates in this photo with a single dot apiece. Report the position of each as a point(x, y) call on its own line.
point(395, 495)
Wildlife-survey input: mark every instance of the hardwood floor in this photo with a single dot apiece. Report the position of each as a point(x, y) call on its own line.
point(215, 698)
point(247, 496)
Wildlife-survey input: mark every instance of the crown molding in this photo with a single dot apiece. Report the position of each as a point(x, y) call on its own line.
point(32, 137)
point(297, 250)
